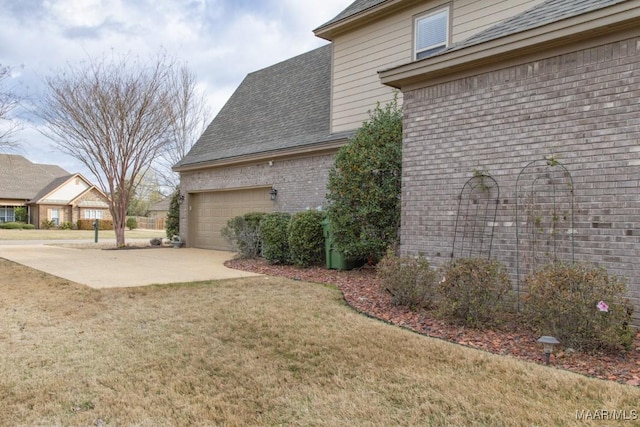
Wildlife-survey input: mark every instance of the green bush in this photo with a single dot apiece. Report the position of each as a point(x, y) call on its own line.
point(474, 291)
point(563, 300)
point(410, 281)
point(66, 226)
point(275, 239)
point(172, 225)
point(21, 214)
point(306, 240)
point(243, 234)
point(12, 225)
point(132, 223)
point(28, 227)
point(364, 187)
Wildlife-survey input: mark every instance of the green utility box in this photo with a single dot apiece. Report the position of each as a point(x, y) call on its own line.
point(335, 259)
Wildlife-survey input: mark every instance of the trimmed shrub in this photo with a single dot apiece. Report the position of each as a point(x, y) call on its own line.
point(132, 223)
point(581, 305)
point(87, 224)
point(410, 281)
point(12, 225)
point(275, 239)
point(243, 234)
point(66, 226)
point(364, 186)
point(306, 240)
point(474, 291)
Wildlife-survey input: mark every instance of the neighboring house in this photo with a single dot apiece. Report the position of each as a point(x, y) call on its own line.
point(491, 87)
point(48, 192)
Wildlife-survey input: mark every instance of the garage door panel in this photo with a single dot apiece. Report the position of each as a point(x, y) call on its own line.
point(211, 211)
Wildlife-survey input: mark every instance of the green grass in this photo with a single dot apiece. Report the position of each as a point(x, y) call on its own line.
point(258, 351)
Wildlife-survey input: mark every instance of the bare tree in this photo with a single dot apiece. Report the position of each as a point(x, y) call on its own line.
point(189, 118)
point(116, 117)
point(8, 102)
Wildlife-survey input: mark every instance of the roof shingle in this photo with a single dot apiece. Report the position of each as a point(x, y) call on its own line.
point(282, 106)
point(21, 179)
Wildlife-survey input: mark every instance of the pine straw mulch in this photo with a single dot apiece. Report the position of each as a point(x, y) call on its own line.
point(363, 293)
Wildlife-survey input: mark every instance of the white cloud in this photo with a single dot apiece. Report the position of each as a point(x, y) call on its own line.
point(221, 40)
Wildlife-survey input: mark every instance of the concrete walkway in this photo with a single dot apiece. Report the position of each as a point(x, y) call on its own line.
point(103, 268)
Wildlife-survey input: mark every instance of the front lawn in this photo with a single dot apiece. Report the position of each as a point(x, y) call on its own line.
point(258, 351)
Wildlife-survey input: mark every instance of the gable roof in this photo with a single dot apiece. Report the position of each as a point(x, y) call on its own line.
point(21, 179)
point(353, 9)
point(545, 13)
point(282, 106)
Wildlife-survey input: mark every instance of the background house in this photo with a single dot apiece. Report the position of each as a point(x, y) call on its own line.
point(48, 192)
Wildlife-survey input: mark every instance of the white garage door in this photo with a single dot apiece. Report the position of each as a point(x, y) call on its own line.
point(210, 211)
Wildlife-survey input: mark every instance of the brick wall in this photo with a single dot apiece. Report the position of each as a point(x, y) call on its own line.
point(582, 108)
point(301, 182)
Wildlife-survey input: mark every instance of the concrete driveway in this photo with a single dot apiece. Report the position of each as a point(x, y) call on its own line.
point(102, 268)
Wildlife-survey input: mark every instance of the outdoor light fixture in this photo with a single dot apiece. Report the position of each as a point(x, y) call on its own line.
point(548, 343)
point(273, 193)
point(180, 199)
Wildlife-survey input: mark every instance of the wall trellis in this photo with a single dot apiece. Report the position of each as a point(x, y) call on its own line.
point(475, 221)
point(544, 217)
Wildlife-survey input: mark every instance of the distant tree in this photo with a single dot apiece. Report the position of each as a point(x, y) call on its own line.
point(364, 186)
point(117, 117)
point(190, 116)
point(8, 102)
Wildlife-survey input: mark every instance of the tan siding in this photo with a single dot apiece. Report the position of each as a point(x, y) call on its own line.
point(472, 16)
point(359, 54)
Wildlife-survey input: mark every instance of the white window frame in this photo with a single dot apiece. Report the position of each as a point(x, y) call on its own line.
point(93, 214)
point(425, 51)
point(55, 216)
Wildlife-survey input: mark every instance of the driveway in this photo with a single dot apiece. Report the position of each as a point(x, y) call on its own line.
point(103, 268)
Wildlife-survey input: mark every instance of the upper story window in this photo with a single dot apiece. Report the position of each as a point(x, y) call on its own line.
point(432, 33)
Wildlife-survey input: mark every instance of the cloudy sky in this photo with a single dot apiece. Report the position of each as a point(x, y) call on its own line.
point(221, 41)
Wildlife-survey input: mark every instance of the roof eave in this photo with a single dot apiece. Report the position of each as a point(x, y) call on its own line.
point(328, 31)
point(316, 148)
point(582, 27)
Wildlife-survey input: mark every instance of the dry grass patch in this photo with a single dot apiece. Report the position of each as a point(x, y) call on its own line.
point(258, 351)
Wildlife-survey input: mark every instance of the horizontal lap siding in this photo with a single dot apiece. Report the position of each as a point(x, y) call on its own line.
point(580, 107)
point(359, 54)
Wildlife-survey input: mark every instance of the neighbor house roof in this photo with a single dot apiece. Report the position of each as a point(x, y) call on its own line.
point(21, 179)
point(280, 107)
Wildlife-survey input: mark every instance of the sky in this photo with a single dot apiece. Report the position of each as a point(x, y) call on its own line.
point(220, 40)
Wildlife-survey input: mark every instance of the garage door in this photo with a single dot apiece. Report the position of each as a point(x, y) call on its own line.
point(209, 213)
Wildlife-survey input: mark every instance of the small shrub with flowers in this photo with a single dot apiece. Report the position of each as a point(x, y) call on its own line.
point(474, 291)
point(581, 305)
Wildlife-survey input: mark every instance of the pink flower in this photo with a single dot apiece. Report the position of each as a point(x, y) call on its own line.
point(602, 306)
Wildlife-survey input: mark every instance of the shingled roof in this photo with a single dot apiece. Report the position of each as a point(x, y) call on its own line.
point(283, 106)
point(545, 13)
point(353, 9)
point(21, 179)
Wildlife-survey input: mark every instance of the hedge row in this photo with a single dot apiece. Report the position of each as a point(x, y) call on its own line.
point(279, 237)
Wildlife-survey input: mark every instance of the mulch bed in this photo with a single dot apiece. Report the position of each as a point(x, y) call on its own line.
point(362, 292)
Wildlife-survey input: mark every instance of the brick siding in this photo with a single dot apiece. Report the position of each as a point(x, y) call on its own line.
point(582, 108)
point(301, 182)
